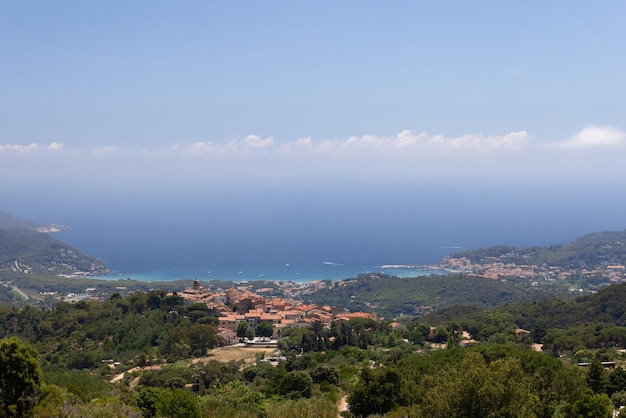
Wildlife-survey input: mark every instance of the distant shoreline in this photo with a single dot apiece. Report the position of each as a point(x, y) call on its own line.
point(399, 270)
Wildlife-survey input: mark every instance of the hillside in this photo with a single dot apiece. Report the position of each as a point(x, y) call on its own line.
point(589, 251)
point(391, 296)
point(595, 321)
point(25, 248)
point(8, 221)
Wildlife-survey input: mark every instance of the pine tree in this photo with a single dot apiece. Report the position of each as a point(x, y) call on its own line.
point(597, 377)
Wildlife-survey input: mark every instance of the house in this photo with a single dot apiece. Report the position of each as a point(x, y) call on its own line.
point(227, 337)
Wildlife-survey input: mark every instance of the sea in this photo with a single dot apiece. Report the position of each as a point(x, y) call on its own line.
point(306, 236)
point(155, 253)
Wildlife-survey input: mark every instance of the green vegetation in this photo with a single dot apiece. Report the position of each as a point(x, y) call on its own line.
point(9, 221)
point(414, 369)
point(596, 321)
point(139, 328)
point(589, 251)
point(392, 296)
point(460, 346)
point(26, 251)
point(20, 377)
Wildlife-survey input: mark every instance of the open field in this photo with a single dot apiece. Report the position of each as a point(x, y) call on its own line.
point(235, 353)
point(224, 354)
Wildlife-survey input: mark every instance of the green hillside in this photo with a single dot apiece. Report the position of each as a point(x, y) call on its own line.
point(595, 321)
point(391, 296)
point(24, 251)
point(10, 221)
point(589, 251)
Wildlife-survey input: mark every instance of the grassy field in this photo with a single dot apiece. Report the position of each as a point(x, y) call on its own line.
point(235, 353)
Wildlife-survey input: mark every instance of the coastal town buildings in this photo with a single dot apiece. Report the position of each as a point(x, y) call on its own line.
point(236, 305)
point(496, 268)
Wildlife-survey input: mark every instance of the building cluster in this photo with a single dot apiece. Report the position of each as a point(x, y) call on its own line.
point(495, 268)
point(240, 304)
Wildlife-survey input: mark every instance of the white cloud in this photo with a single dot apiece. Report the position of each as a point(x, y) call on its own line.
point(30, 148)
point(233, 148)
point(593, 137)
point(101, 152)
point(196, 149)
point(20, 149)
point(256, 141)
point(407, 143)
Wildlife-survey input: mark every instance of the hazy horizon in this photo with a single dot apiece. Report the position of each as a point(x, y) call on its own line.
point(314, 128)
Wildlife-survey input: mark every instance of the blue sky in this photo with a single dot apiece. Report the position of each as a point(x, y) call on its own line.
point(155, 100)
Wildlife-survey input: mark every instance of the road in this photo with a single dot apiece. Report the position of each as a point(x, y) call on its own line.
point(19, 292)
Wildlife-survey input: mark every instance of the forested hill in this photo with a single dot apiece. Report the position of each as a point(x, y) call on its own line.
point(590, 322)
point(10, 221)
point(24, 251)
point(608, 306)
point(588, 251)
point(390, 296)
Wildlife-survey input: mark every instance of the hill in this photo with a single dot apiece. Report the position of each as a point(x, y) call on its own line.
point(26, 248)
point(594, 321)
point(391, 296)
point(8, 221)
point(589, 251)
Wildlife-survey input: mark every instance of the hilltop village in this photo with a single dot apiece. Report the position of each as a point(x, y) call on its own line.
point(241, 304)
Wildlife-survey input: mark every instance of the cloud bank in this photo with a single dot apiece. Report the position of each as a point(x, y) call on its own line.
point(30, 148)
point(471, 160)
point(405, 144)
point(592, 137)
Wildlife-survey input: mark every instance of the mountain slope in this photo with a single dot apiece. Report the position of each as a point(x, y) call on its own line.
point(10, 221)
point(391, 296)
point(26, 249)
point(589, 251)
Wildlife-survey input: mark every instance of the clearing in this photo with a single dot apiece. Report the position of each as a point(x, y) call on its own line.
point(235, 353)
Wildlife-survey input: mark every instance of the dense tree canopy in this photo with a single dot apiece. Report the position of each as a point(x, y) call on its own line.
point(416, 368)
point(20, 377)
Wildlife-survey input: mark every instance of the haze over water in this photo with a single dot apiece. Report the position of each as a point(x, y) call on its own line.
point(268, 139)
point(346, 235)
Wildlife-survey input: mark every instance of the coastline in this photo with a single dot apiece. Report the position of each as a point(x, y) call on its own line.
point(399, 270)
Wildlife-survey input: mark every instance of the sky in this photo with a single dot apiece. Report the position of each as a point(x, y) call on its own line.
point(491, 106)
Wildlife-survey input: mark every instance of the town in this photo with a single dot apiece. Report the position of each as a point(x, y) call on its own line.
point(497, 268)
point(240, 304)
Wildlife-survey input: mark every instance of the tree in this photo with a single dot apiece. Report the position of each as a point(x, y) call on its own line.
point(478, 389)
point(617, 381)
point(325, 372)
point(264, 329)
point(242, 329)
point(202, 338)
point(597, 377)
point(148, 401)
point(378, 391)
point(103, 407)
point(592, 405)
point(20, 377)
point(179, 403)
point(296, 384)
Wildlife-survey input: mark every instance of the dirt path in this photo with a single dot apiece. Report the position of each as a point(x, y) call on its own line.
point(120, 376)
point(21, 293)
point(342, 406)
point(223, 354)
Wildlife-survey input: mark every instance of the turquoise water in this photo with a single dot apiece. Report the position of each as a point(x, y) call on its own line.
point(304, 235)
point(324, 271)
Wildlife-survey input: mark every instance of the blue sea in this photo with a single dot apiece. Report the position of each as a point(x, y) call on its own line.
point(312, 234)
point(165, 252)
